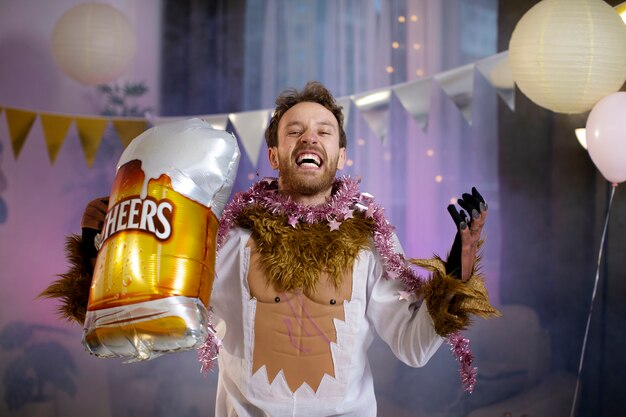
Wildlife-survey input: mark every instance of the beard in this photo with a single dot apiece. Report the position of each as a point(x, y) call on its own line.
point(296, 182)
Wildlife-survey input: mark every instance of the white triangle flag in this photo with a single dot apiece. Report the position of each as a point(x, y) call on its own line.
point(497, 72)
point(218, 121)
point(458, 84)
point(251, 127)
point(374, 106)
point(345, 103)
point(415, 98)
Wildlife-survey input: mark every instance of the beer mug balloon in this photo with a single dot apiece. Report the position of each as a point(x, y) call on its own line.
point(154, 271)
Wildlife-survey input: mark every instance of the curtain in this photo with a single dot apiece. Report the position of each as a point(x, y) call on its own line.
point(356, 46)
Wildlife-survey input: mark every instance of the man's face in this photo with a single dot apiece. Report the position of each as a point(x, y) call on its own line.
point(308, 154)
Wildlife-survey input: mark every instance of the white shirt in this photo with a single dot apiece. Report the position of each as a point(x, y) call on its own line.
point(375, 307)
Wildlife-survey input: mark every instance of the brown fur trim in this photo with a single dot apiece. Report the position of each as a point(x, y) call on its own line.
point(294, 257)
point(73, 287)
point(451, 301)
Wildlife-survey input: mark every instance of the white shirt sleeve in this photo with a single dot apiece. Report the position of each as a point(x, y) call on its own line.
point(406, 327)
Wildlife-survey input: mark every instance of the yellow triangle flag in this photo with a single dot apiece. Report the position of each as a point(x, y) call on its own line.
point(20, 122)
point(55, 129)
point(90, 131)
point(129, 129)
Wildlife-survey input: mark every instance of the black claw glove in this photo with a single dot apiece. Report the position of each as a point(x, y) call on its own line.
point(475, 205)
point(87, 243)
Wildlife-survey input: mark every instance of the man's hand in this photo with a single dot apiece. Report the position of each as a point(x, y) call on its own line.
point(94, 214)
point(463, 253)
point(92, 223)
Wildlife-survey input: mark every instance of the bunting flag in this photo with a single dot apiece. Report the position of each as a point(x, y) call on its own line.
point(19, 122)
point(55, 127)
point(345, 103)
point(415, 98)
point(129, 129)
point(374, 106)
point(218, 121)
point(250, 126)
point(90, 131)
point(458, 84)
point(497, 72)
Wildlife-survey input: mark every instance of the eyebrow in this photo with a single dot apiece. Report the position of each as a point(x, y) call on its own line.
point(324, 123)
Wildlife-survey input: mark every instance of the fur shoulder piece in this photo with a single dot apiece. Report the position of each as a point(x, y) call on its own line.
point(293, 257)
point(450, 301)
point(72, 288)
point(345, 203)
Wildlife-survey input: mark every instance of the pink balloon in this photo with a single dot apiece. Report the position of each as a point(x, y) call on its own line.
point(606, 136)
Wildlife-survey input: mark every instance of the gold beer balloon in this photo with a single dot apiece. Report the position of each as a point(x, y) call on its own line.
point(153, 274)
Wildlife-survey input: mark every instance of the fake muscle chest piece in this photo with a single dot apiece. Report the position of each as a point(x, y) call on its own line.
point(293, 330)
point(300, 279)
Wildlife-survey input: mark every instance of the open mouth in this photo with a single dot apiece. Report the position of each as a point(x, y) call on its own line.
point(308, 160)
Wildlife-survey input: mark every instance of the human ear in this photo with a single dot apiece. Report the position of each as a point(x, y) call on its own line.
point(342, 158)
point(272, 155)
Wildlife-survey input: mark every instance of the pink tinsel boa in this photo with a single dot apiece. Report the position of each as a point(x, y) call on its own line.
point(344, 201)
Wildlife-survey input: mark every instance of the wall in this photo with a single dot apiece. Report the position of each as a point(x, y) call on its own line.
point(45, 371)
point(44, 203)
point(30, 78)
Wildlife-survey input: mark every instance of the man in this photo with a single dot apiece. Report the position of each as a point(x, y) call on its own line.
point(302, 284)
point(308, 270)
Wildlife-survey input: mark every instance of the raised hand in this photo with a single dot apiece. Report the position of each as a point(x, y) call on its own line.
point(94, 214)
point(92, 222)
point(463, 253)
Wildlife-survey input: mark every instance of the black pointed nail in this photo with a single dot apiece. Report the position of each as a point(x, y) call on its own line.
point(477, 195)
point(475, 214)
point(482, 206)
point(462, 225)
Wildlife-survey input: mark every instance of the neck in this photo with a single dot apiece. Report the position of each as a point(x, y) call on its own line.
point(316, 199)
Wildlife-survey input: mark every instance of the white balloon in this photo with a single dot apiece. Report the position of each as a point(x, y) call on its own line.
point(606, 136)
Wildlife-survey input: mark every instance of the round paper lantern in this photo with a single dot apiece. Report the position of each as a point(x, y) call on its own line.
point(93, 43)
point(565, 55)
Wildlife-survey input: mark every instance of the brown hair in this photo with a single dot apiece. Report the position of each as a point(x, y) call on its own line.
point(313, 91)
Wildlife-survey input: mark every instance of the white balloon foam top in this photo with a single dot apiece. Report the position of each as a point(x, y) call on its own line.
point(200, 161)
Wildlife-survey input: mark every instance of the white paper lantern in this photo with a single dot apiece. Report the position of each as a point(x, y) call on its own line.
point(93, 43)
point(565, 55)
